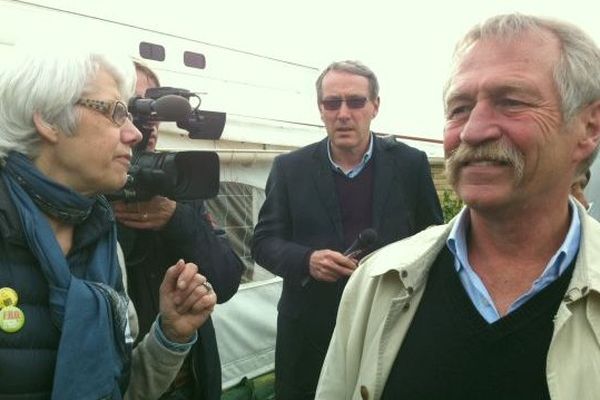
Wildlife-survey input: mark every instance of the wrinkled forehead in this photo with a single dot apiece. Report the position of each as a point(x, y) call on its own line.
point(535, 52)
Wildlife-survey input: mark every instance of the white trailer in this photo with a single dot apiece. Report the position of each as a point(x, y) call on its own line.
point(270, 106)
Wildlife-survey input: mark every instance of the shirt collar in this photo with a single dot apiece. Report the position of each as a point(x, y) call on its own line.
point(358, 167)
point(457, 240)
point(457, 244)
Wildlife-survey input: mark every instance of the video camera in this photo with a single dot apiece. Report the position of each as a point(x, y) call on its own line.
point(185, 175)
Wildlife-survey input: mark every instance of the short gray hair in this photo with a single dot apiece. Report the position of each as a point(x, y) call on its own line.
point(577, 73)
point(351, 67)
point(38, 79)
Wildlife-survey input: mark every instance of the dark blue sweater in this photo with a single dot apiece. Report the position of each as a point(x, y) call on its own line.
point(450, 352)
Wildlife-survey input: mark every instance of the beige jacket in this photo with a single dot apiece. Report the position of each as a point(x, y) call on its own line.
point(382, 296)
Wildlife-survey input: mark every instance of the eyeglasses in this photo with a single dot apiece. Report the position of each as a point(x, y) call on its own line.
point(352, 102)
point(116, 110)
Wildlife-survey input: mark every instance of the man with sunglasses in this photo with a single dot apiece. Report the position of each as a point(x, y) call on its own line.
point(159, 231)
point(318, 200)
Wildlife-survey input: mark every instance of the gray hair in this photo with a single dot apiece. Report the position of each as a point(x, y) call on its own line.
point(44, 80)
point(354, 68)
point(577, 73)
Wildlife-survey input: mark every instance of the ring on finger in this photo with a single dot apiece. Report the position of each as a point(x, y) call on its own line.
point(207, 286)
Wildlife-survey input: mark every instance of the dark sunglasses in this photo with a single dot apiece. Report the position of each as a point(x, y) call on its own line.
point(352, 102)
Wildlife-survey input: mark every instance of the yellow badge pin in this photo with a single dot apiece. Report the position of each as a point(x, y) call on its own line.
point(12, 319)
point(8, 297)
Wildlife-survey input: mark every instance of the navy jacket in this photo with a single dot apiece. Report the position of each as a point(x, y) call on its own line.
point(301, 213)
point(28, 356)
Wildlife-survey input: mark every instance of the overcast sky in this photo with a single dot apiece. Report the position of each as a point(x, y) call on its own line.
point(408, 44)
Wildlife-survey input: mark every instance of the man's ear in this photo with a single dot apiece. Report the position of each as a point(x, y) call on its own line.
point(321, 112)
point(46, 130)
point(591, 138)
point(376, 103)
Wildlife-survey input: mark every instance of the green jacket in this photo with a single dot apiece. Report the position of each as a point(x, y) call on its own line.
point(382, 296)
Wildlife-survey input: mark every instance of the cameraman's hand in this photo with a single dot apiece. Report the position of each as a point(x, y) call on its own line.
point(152, 214)
point(186, 301)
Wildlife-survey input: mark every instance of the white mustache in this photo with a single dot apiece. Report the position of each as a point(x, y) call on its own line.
point(496, 152)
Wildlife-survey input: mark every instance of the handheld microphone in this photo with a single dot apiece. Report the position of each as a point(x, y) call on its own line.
point(362, 243)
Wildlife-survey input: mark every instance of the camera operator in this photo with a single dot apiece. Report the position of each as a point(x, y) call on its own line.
point(156, 233)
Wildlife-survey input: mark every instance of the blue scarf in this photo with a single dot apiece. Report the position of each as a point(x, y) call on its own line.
point(91, 310)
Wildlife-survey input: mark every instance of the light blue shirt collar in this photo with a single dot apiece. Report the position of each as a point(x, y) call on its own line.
point(560, 261)
point(358, 167)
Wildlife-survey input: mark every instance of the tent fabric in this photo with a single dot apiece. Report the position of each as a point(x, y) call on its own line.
point(246, 327)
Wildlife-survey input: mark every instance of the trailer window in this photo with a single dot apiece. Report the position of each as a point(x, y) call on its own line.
point(151, 51)
point(194, 60)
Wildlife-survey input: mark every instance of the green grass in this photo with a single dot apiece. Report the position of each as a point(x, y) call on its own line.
point(260, 388)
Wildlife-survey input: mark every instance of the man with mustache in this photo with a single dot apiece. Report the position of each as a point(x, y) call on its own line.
point(504, 301)
point(319, 198)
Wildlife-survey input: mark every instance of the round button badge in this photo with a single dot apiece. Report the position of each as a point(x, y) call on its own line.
point(12, 319)
point(8, 297)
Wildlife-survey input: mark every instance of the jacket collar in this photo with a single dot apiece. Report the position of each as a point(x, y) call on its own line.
point(412, 257)
point(385, 178)
point(323, 179)
point(586, 276)
point(10, 225)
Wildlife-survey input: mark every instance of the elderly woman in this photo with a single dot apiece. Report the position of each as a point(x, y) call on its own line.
point(65, 331)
